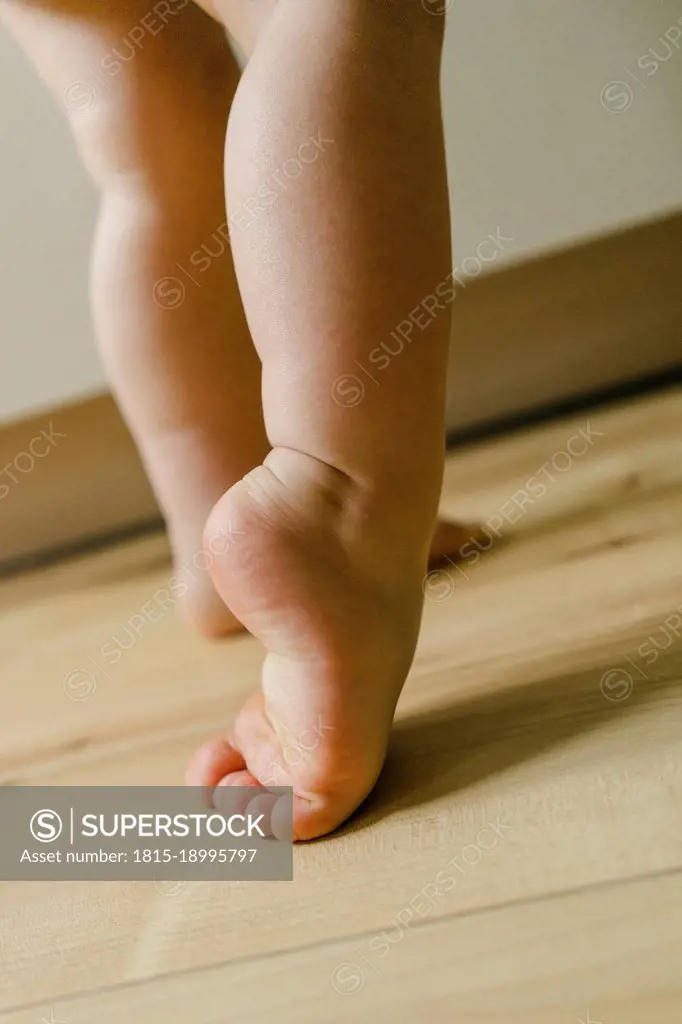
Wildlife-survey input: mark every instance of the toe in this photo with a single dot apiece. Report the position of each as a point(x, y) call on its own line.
point(226, 801)
point(449, 539)
point(214, 760)
point(274, 811)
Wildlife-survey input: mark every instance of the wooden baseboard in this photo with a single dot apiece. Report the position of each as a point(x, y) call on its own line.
point(89, 483)
point(575, 322)
point(531, 336)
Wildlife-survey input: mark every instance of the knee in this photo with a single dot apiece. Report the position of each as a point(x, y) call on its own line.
point(104, 131)
point(153, 123)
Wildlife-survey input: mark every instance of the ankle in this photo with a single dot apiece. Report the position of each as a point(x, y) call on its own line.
point(379, 522)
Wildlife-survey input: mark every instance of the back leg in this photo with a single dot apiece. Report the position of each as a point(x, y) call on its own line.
point(147, 92)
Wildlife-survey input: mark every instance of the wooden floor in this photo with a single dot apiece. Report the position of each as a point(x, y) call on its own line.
point(538, 751)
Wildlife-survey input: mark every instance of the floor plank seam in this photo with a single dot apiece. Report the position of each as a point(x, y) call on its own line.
point(424, 925)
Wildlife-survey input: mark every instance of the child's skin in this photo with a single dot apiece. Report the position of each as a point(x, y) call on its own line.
point(321, 515)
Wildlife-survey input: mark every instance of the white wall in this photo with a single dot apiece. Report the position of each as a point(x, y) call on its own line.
point(532, 150)
point(532, 147)
point(47, 209)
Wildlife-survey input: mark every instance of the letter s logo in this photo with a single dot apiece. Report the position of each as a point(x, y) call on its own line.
point(46, 826)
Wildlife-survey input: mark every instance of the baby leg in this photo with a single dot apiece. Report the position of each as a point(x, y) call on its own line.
point(334, 527)
point(147, 91)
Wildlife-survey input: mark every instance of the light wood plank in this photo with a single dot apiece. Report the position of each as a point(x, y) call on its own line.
point(609, 956)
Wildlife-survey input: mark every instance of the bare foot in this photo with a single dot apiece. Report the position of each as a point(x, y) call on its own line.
point(314, 576)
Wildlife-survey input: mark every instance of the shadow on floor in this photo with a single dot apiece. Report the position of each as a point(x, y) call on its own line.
point(453, 748)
